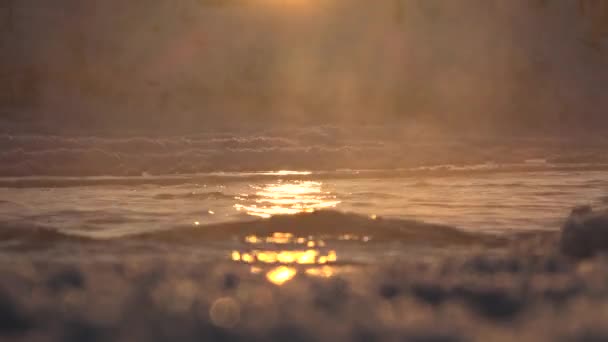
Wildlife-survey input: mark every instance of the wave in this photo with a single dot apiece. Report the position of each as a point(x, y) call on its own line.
point(370, 195)
point(304, 149)
point(196, 196)
point(227, 177)
point(19, 236)
point(328, 225)
point(331, 225)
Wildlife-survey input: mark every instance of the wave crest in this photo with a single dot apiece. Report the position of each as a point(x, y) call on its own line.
point(329, 223)
point(323, 148)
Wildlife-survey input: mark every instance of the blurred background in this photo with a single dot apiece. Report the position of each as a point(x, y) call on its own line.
point(182, 66)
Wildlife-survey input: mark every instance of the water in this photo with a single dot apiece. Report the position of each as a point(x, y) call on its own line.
point(430, 253)
point(268, 218)
point(493, 202)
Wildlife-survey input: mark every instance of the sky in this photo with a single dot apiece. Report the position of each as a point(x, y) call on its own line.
point(176, 66)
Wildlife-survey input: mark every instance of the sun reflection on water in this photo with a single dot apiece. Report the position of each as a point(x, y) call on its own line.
point(286, 173)
point(325, 272)
point(307, 257)
point(281, 256)
point(286, 255)
point(286, 198)
point(281, 275)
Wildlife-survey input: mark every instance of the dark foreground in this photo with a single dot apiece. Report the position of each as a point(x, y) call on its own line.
point(532, 288)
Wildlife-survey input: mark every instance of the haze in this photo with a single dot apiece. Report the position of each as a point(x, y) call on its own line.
point(181, 66)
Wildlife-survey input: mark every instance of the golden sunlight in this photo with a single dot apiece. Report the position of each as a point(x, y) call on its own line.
point(281, 275)
point(307, 257)
point(307, 253)
point(287, 198)
point(323, 272)
point(286, 173)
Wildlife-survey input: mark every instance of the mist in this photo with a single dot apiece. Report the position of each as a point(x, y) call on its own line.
point(303, 170)
point(170, 67)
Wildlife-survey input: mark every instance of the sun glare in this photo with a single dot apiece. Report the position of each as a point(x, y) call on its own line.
point(286, 198)
point(286, 254)
point(281, 275)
